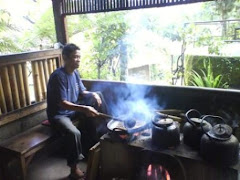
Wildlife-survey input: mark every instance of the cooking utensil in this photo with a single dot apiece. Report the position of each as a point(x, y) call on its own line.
point(165, 132)
point(192, 129)
point(175, 118)
point(129, 123)
point(219, 145)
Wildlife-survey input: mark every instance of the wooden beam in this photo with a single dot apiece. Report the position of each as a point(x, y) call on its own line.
point(60, 22)
point(28, 56)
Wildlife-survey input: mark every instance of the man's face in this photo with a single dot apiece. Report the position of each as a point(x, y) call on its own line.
point(73, 61)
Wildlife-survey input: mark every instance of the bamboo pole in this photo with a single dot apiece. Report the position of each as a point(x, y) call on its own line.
point(21, 89)
point(36, 81)
point(25, 82)
point(50, 66)
point(2, 99)
point(46, 72)
point(6, 88)
point(42, 79)
point(14, 87)
point(54, 64)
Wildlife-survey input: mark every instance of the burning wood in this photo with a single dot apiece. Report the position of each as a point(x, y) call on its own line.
point(157, 172)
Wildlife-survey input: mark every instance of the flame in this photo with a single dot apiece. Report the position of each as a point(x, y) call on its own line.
point(149, 170)
point(157, 172)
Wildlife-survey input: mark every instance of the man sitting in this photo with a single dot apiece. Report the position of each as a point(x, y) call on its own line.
point(63, 92)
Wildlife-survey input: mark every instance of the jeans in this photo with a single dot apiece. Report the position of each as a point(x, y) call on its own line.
point(87, 133)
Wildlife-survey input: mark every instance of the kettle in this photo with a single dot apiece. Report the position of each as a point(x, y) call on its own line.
point(165, 132)
point(192, 130)
point(219, 145)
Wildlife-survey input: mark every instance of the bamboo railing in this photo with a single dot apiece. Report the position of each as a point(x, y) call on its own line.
point(15, 70)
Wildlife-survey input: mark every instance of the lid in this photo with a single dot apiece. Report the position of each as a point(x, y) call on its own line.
point(164, 122)
point(221, 132)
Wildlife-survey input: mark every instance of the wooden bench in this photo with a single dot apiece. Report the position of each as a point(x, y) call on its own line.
point(22, 148)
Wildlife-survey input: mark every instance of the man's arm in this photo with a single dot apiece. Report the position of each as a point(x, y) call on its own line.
point(95, 96)
point(88, 110)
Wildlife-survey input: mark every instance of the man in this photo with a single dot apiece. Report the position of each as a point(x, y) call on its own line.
point(63, 92)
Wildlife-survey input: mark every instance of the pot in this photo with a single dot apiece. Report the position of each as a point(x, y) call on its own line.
point(219, 145)
point(192, 129)
point(165, 132)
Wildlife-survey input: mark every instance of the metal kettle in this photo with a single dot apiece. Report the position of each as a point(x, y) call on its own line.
point(165, 132)
point(192, 130)
point(219, 145)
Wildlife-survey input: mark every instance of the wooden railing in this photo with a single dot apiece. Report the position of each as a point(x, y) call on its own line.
point(15, 72)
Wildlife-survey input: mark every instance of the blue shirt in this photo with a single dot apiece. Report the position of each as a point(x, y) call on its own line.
point(62, 86)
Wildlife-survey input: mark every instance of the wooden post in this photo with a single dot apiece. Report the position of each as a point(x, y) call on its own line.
point(46, 72)
point(36, 80)
point(2, 99)
point(21, 89)
point(54, 64)
point(50, 66)
point(42, 79)
point(25, 82)
point(60, 22)
point(14, 88)
point(6, 88)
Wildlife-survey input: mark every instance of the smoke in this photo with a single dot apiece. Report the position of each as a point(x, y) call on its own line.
point(129, 100)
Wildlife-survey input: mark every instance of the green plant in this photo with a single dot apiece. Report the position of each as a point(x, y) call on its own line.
point(207, 79)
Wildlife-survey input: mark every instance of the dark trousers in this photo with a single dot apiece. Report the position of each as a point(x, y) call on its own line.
point(78, 140)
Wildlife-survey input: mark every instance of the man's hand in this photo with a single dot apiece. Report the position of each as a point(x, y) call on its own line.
point(97, 98)
point(91, 112)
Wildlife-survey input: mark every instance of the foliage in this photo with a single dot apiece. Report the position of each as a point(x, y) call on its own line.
point(7, 39)
point(43, 33)
point(104, 33)
point(207, 79)
point(228, 67)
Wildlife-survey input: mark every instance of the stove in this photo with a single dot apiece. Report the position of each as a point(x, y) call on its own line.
point(138, 159)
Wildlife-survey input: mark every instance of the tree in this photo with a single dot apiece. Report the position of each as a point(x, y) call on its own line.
point(7, 39)
point(104, 32)
point(43, 33)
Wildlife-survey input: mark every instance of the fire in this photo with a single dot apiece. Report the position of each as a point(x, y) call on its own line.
point(157, 172)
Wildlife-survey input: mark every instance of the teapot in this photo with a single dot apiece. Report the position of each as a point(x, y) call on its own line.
point(219, 145)
point(192, 129)
point(165, 132)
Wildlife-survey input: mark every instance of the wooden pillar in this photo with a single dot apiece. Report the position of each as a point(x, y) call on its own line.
point(60, 22)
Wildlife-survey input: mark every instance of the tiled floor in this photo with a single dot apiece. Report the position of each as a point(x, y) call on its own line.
point(50, 167)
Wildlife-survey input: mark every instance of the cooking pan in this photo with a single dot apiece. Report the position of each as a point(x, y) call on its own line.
point(119, 127)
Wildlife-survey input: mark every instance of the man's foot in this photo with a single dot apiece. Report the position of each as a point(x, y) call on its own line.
point(76, 174)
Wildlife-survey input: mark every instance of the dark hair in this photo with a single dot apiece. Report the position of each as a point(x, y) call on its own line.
point(68, 49)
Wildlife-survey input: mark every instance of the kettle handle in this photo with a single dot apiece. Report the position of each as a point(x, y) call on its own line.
point(205, 116)
point(187, 116)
